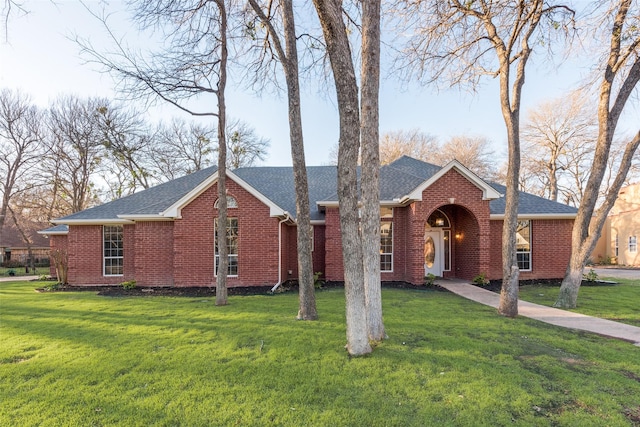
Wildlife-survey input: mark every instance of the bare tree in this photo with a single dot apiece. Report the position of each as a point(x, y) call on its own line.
point(287, 53)
point(555, 131)
point(180, 148)
point(76, 148)
point(194, 63)
point(413, 143)
point(126, 137)
point(472, 151)
point(245, 147)
point(619, 79)
point(460, 42)
point(21, 147)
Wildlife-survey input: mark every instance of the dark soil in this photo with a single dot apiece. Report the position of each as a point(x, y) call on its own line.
point(119, 291)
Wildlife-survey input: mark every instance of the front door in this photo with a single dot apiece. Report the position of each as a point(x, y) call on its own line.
point(433, 253)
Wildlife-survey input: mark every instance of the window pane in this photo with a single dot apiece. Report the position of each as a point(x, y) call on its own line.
point(386, 246)
point(232, 246)
point(113, 250)
point(523, 245)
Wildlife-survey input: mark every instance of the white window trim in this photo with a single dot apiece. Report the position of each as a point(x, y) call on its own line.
point(530, 251)
point(392, 247)
point(104, 257)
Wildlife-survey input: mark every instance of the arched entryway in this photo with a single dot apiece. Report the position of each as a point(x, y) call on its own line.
point(451, 243)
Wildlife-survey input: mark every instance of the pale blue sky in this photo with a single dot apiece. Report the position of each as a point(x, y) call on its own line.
point(40, 60)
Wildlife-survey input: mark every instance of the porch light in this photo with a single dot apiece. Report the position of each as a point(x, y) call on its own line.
point(439, 222)
point(458, 236)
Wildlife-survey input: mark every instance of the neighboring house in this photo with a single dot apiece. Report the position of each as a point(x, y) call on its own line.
point(618, 242)
point(14, 250)
point(440, 220)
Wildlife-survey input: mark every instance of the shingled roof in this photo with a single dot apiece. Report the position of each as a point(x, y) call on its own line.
point(397, 180)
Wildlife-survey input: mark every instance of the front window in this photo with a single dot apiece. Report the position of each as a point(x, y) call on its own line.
point(232, 246)
point(386, 246)
point(633, 244)
point(113, 250)
point(523, 245)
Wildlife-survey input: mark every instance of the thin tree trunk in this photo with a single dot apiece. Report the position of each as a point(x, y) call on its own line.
point(289, 60)
point(335, 35)
point(307, 299)
point(223, 264)
point(370, 77)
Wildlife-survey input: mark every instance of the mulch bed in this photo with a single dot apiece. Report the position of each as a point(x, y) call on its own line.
point(119, 291)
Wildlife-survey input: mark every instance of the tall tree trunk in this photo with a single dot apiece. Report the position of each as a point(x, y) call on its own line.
point(335, 35)
point(307, 299)
point(223, 264)
point(289, 60)
point(609, 111)
point(370, 77)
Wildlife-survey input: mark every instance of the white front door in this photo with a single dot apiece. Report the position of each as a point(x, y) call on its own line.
point(433, 252)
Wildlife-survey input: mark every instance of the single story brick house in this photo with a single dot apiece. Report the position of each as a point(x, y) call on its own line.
point(440, 220)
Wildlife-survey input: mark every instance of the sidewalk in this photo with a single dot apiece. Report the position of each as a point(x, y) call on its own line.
point(554, 316)
point(17, 278)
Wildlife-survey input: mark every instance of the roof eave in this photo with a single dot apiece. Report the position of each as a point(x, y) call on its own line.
point(95, 221)
point(537, 216)
point(145, 217)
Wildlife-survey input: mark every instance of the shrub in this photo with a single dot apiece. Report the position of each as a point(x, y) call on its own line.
point(591, 276)
point(129, 284)
point(481, 280)
point(52, 287)
point(429, 280)
point(317, 281)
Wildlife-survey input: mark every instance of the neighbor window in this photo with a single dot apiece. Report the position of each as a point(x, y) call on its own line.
point(113, 250)
point(633, 244)
point(523, 245)
point(616, 246)
point(386, 246)
point(232, 246)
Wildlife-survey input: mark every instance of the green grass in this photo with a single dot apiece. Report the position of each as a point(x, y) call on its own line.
point(619, 302)
point(78, 359)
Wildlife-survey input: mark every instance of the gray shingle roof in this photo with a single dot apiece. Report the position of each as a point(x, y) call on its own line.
point(151, 201)
point(397, 180)
point(528, 204)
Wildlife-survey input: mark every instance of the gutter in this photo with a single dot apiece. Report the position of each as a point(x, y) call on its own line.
point(286, 218)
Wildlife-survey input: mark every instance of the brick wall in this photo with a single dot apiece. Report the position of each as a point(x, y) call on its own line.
point(550, 249)
point(257, 241)
point(86, 255)
point(333, 246)
point(154, 253)
point(319, 244)
point(470, 219)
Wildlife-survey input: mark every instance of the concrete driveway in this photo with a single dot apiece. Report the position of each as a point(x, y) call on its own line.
point(617, 273)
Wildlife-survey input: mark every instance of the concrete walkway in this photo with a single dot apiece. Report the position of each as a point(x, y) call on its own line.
point(17, 278)
point(554, 316)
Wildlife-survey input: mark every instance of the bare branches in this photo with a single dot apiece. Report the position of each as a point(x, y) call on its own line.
point(187, 68)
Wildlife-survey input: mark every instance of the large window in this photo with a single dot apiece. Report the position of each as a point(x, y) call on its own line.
point(113, 250)
point(633, 244)
point(523, 245)
point(232, 246)
point(386, 246)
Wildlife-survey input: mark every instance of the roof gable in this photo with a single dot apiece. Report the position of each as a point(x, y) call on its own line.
point(488, 192)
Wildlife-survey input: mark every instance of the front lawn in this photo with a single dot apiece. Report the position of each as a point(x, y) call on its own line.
point(614, 302)
point(78, 359)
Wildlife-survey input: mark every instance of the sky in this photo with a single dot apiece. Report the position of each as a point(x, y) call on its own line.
point(39, 59)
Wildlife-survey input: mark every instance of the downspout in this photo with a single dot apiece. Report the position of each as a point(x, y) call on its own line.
point(286, 218)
